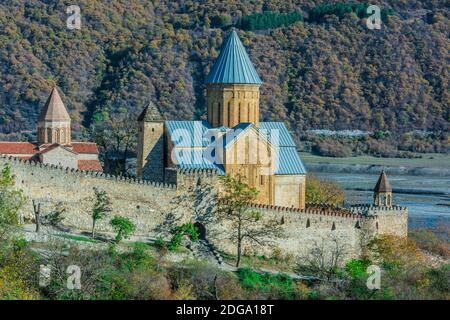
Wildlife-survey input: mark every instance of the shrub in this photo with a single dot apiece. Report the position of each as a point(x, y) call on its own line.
point(357, 268)
point(267, 286)
point(123, 226)
point(427, 240)
point(321, 191)
point(178, 233)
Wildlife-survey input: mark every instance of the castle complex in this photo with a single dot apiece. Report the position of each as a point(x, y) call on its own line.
point(232, 141)
point(182, 160)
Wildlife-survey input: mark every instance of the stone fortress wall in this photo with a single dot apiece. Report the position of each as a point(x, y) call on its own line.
point(149, 205)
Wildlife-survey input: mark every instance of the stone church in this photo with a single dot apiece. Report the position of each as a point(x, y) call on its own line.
point(54, 145)
point(233, 140)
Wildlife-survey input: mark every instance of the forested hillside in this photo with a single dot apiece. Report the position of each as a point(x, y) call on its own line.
point(333, 73)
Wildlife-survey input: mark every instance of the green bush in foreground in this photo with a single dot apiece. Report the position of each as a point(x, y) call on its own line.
point(123, 226)
point(187, 229)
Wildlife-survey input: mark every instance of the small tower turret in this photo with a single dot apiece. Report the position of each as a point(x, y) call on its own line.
point(54, 123)
point(383, 192)
point(150, 151)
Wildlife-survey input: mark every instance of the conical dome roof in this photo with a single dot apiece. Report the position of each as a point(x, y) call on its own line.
point(150, 113)
point(233, 65)
point(383, 184)
point(54, 109)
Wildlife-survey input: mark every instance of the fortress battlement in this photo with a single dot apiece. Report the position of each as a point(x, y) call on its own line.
point(372, 208)
point(53, 169)
point(326, 210)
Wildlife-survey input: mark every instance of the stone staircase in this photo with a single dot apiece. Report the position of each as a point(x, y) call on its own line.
point(204, 250)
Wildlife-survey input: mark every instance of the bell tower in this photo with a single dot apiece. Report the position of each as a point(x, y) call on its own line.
point(150, 150)
point(383, 191)
point(232, 87)
point(54, 123)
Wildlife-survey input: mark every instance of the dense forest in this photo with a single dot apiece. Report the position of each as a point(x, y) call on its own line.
point(328, 73)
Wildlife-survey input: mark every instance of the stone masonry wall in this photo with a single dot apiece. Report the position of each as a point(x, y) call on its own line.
point(146, 204)
point(151, 205)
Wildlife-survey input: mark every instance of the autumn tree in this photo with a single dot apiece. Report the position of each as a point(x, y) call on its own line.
point(320, 191)
point(245, 225)
point(102, 206)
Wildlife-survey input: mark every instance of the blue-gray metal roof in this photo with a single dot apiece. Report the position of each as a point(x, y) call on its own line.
point(277, 131)
point(233, 134)
point(195, 159)
point(233, 64)
point(187, 135)
point(289, 162)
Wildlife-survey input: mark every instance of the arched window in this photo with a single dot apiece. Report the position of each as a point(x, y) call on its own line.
point(308, 223)
point(239, 113)
point(49, 135)
point(249, 113)
point(62, 134)
point(333, 227)
point(220, 115)
point(229, 114)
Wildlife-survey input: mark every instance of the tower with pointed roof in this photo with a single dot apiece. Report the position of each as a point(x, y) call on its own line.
point(232, 87)
point(383, 191)
point(54, 123)
point(150, 151)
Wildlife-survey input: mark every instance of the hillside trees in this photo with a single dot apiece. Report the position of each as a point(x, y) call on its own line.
point(335, 74)
point(267, 20)
point(319, 191)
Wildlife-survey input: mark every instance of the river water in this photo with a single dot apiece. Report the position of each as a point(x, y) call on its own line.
point(425, 210)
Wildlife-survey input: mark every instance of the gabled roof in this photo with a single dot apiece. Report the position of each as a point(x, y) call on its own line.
point(233, 66)
point(277, 133)
point(188, 133)
point(56, 146)
point(85, 147)
point(188, 158)
point(150, 113)
point(233, 135)
point(89, 165)
point(289, 162)
point(191, 140)
point(54, 109)
point(18, 148)
point(383, 184)
point(28, 148)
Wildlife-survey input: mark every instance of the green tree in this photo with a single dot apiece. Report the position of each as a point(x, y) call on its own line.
point(11, 202)
point(321, 191)
point(220, 21)
point(123, 226)
point(102, 206)
point(246, 225)
point(268, 20)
